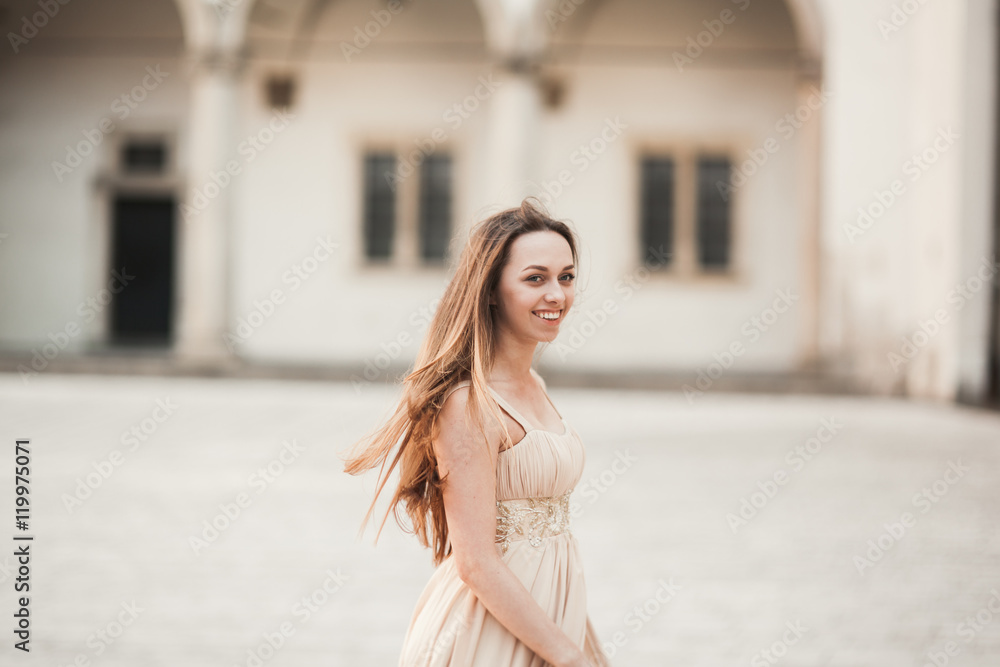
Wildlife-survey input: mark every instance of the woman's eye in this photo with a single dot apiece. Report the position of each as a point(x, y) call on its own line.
point(565, 275)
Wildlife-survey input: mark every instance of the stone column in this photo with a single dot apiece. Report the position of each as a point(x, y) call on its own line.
point(204, 239)
point(516, 36)
point(931, 241)
point(812, 260)
point(514, 117)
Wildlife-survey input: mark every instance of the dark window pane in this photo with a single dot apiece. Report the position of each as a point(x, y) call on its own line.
point(713, 212)
point(280, 90)
point(379, 205)
point(144, 157)
point(435, 207)
point(657, 210)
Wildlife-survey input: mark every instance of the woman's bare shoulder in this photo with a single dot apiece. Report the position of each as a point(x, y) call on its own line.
point(453, 424)
point(455, 388)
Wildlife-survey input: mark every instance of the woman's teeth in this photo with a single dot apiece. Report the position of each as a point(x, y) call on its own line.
point(547, 316)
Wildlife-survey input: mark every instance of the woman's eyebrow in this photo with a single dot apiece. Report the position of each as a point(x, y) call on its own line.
point(544, 268)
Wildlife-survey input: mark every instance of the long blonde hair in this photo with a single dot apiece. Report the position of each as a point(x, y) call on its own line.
point(460, 344)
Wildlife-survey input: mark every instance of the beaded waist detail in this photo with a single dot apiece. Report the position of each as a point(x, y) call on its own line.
point(531, 519)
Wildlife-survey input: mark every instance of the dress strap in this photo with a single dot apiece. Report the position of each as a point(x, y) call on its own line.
point(546, 393)
point(525, 424)
point(511, 411)
point(457, 385)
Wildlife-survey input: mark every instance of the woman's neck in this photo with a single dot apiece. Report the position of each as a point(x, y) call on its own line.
point(512, 364)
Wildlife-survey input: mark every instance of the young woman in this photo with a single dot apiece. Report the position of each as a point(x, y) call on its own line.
point(488, 463)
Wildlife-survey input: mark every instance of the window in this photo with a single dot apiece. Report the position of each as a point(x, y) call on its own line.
point(143, 156)
point(713, 213)
point(657, 207)
point(407, 212)
point(280, 89)
point(685, 219)
point(435, 207)
point(380, 205)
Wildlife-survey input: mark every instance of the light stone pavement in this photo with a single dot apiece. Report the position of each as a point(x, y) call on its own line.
point(657, 517)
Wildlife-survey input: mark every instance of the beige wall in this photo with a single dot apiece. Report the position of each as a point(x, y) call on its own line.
point(889, 94)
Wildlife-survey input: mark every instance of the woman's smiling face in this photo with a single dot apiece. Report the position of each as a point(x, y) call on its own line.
point(535, 285)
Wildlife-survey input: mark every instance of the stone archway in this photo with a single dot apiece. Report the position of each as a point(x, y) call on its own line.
point(809, 27)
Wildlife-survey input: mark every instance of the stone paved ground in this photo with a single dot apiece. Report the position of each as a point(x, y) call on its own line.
point(656, 517)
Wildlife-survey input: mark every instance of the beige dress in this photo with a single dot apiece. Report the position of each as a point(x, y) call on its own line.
point(450, 627)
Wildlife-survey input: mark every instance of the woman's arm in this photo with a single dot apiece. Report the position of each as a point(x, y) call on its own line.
point(470, 504)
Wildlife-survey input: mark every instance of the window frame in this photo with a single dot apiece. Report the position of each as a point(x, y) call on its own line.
point(684, 265)
point(406, 245)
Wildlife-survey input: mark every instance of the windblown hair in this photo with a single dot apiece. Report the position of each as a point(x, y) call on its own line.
point(461, 343)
